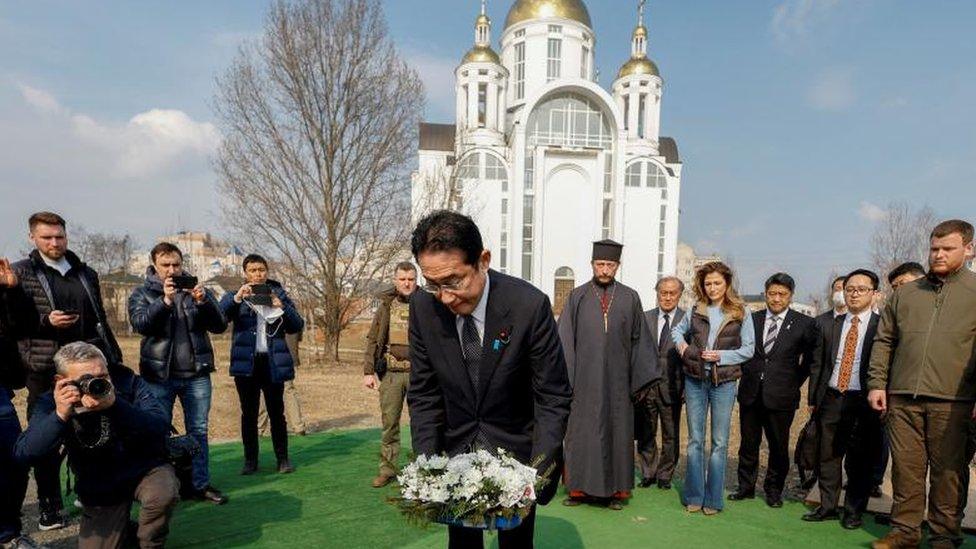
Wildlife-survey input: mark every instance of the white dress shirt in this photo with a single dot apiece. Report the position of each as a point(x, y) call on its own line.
point(862, 330)
point(660, 321)
point(478, 314)
point(780, 319)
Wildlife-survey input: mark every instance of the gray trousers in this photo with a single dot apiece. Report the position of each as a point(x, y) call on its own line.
point(104, 527)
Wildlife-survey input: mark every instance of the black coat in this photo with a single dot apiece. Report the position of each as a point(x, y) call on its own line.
point(776, 378)
point(38, 343)
point(107, 475)
point(12, 371)
point(156, 322)
point(825, 353)
point(672, 370)
point(523, 401)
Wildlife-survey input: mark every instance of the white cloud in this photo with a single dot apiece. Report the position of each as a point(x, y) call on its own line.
point(833, 90)
point(437, 74)
point(796, 18)
point(871, 212)
point(39, 99)
point(151, 143)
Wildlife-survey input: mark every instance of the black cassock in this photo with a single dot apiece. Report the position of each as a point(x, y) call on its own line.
point(609, 359)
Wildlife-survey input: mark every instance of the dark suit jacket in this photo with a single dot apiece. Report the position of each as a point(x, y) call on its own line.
point(776, 378)
point(672, 373)
point(828, 344)
point(522, 403)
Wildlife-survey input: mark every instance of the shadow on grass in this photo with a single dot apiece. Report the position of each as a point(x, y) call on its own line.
point(210, 525)
point(557, 532)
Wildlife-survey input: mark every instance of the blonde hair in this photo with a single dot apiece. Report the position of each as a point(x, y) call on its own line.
point(732, 305)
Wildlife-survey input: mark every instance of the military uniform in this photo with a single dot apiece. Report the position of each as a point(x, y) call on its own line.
point(387, 344)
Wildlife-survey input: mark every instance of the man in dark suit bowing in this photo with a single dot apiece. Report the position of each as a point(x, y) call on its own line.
point(850, 431)
point(487, 367)
point(769, 392)
point(663, 404)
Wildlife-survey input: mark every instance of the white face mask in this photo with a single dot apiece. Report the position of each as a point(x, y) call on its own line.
point(838, 298)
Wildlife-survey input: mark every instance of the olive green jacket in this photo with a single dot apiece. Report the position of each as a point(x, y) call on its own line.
point(926, 342)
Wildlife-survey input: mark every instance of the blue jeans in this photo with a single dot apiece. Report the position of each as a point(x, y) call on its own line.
point(13, 476)
point(704, 482)
point(194, 395)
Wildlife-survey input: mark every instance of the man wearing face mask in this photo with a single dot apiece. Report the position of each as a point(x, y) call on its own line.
point(611, 357)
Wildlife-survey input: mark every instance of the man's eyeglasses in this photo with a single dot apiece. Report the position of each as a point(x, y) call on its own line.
point(858, 290)
point(452, 288)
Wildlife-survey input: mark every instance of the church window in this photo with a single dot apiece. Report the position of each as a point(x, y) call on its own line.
point(607, 217)
point(626, 112)
point(482, 104)
point(641, 116)
point(554, 66)
point(556, 29)
point(528, 217)
point(569, 120)
point(520, 70)
point(585, 63)
point(608, 173)
point(470, 167)
point(634, 175)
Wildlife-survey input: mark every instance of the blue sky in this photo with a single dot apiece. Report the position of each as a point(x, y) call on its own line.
point(797, 120)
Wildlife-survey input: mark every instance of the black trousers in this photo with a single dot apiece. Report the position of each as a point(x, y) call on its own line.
point(755, 421)
point(249, 390)
point(850, 437)
point(516, 538)
point(47, 471)
point(13, 479)
point(650, 414)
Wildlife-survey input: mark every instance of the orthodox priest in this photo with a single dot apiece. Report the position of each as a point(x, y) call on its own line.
point(612, 363)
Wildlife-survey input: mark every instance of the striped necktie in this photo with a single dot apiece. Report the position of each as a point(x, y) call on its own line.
point(771, 333)
point(471, 346)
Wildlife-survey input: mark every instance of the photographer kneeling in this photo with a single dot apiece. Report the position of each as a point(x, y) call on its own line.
point(115, 433)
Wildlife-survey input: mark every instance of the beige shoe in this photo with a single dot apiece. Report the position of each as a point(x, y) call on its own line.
point(382, 480)
point(693, 508)
point(709, 512)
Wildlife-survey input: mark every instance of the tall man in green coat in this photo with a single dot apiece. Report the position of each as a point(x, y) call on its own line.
point(387, 364)
point(923, 375)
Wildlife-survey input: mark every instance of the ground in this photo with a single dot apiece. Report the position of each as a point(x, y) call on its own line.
point(329, 503)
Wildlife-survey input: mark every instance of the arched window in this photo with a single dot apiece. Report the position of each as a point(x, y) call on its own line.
point(563, 283)
point(645, 173)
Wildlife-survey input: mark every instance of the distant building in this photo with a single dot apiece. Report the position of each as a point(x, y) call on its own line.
point(203, 255)
point(687, 264)
point(116, 289)
point(757, 302)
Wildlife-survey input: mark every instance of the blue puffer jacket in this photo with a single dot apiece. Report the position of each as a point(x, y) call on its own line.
point(246, 336)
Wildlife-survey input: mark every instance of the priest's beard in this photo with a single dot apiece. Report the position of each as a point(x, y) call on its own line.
point(603, 285)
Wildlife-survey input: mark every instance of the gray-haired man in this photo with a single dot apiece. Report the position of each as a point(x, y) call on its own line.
point(115, 433)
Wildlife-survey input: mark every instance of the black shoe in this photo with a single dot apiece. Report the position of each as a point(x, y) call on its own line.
point(250, 467)
point(664, 484)
point(572, 502)
point(876, 492)
point(285, 467)
point(739, 496)
point(51, 519)
point(852, 521)
point(820, 514)
point(775, 502)
point(212, 495)
point(646, 482)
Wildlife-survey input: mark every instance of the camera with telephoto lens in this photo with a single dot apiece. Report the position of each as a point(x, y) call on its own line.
point(97, 387)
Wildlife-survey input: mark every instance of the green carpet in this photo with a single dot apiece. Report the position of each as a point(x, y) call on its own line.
point(327, 502)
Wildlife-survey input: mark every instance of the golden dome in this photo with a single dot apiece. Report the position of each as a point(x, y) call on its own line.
point(481, 54)
point(638, 66)
point(482, 20)
point(525, 10)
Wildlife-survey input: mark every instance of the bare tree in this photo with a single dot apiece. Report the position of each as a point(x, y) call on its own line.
point(901, 235)
point(319, 119)
point(104, 252)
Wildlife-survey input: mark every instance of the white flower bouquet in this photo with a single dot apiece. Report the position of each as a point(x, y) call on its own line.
point(476, 490)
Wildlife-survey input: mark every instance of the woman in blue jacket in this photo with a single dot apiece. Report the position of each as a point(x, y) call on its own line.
point(259, 357)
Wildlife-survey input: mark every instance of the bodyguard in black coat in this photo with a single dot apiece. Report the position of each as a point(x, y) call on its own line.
point(487, 367)
point(769, 392)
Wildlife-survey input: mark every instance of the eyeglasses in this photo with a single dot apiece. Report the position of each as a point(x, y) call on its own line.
point(452, 288)
point(858, 290)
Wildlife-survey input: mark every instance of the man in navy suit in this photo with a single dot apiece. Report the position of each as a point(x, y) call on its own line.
point(487, 367)
point(850, 431)
point(769, 392)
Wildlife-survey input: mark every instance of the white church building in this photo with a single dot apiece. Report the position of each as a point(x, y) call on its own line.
point(547, 161)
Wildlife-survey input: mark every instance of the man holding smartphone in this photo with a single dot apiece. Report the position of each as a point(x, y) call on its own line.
point(67, 307)
point(175, 316)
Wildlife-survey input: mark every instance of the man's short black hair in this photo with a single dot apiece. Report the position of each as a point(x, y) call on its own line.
point(254, 258)
point(875, 279)
point(840, 279)
point(906, 268)
point(781, 279)
point(445, 230)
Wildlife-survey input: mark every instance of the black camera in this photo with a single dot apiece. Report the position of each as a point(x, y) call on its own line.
point(97, 387)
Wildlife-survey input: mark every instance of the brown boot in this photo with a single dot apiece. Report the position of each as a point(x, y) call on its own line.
point(382, 480)
point(896, 540)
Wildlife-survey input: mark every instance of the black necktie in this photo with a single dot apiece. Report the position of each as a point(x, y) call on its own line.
point(472, 349)
point(665, 333)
